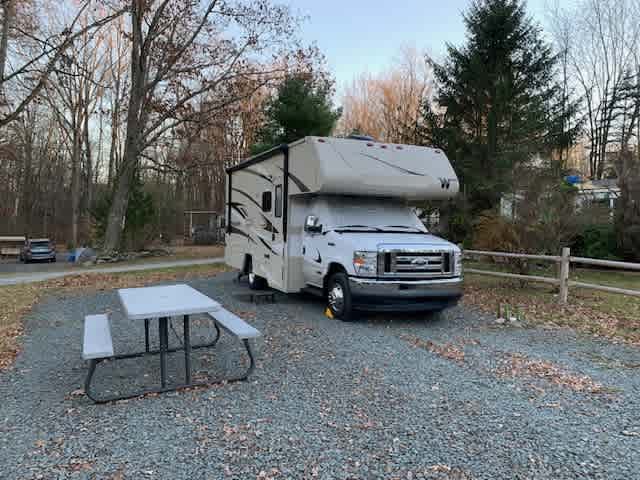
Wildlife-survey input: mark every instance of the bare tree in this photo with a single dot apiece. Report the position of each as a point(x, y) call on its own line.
point(388, 106)
point(600, 41)
point(180, 52)
point(38, 53)
point(72, 93)
point(117, 93)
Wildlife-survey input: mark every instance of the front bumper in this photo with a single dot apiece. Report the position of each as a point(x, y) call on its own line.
point(398, 295)
point(41, 256)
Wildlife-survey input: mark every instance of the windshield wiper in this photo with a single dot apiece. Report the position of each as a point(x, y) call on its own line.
point(405, 227)
point(377, 229)
point(346, 228)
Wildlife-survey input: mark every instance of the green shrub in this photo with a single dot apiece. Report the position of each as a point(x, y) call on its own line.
point(596, 241)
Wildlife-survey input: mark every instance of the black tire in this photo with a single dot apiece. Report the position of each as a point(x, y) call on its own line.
point(341, 308)
point(256, 282)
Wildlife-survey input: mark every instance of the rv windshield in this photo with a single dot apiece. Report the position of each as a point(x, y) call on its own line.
point(371, 214)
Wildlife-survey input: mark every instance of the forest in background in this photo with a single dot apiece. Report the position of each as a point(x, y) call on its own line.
point(116, 116)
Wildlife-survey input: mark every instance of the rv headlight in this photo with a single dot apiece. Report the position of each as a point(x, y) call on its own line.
point(365, 263)
point(457, 265)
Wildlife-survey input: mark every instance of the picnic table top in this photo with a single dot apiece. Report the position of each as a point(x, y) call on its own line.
point(164, 301)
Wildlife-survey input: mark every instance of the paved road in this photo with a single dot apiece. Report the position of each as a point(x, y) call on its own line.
point(14, 266)
point(432, 397)
point(40, 276)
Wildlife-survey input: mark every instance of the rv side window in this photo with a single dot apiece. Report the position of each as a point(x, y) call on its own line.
point(266, 201)
point(278, 201)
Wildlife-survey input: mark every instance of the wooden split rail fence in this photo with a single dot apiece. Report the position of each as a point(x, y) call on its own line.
point(562, 280)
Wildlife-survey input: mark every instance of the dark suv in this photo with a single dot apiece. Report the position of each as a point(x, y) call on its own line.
point(38, 249)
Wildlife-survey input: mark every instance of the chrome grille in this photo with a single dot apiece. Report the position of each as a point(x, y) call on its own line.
point(415, 264)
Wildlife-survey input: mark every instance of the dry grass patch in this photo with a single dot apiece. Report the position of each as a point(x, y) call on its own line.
point(598, 313)
point(17, 300)
point(197, 251)
point(110, 281)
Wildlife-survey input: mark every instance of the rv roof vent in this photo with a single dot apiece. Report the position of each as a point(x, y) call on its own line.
point(365, 138)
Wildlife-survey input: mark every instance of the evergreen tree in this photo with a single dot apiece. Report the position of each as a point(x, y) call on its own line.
point(499, 103)
point(302, 106)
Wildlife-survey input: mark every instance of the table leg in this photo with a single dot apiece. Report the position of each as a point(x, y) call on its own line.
point(146, 335)
point(187, 350)
point(163, 332)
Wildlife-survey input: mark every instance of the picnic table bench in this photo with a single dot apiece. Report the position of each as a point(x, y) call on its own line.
point(98, 344)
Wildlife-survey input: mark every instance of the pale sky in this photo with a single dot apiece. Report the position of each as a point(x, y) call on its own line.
point(365, 35)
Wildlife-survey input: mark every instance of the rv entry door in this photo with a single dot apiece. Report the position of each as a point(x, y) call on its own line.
point(275, 256)
point(312, 257)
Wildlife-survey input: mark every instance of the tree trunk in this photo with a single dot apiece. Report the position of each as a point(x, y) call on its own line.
point(120, 201)
point(75, 184)
point(7, 18)
point(26, 204)
point(115, 113)
point(88, 156)
point(136, 120)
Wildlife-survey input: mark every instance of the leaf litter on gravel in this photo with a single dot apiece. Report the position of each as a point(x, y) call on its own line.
point(447, 350)
point(516, 365)
point(519, 365)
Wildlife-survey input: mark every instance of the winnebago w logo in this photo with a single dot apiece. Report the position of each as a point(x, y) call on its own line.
point(445, 183)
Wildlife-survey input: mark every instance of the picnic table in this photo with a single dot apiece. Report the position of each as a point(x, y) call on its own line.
point(163, 303)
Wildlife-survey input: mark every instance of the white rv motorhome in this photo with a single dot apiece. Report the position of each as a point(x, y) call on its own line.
point(331, 216)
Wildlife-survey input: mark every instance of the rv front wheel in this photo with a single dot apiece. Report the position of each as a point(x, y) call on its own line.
point(339, 296)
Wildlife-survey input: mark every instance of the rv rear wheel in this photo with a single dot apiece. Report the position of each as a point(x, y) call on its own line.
point(256, 282)
point(339, 296)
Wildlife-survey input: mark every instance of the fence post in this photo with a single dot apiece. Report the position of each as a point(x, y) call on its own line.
point(564, 275)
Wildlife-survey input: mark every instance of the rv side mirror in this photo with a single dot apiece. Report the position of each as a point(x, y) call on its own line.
point(311, 224)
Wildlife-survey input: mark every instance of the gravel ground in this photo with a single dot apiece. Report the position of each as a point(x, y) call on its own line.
point(449, 396)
